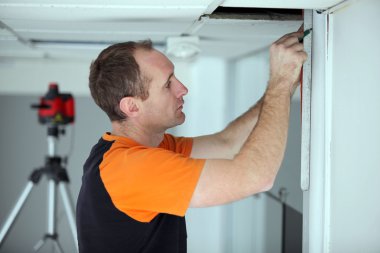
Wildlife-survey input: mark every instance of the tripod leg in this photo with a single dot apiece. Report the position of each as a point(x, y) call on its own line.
point(51, 215)
point(41, 243)
point(15, 211)
point(51, 206)
point(58, 246)
point(67, 202)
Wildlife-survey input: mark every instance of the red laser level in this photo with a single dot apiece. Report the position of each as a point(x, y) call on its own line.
point(55, 108)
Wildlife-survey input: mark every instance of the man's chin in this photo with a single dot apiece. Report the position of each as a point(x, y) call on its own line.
point(180, 119)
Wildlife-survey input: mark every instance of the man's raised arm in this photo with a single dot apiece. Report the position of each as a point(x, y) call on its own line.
point(255, 165)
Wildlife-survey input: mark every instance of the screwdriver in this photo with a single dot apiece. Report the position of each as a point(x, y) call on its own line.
point(305, 33)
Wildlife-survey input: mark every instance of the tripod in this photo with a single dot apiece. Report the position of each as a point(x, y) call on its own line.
point(57, 176)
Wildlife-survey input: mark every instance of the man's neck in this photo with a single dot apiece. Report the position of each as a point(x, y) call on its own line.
point(136, 133)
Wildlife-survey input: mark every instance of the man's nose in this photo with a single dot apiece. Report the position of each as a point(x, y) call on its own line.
point(181, 90)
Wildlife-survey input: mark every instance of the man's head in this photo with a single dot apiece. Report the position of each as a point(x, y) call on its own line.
point(136, 82)
point(163, 108)
point(115, 74)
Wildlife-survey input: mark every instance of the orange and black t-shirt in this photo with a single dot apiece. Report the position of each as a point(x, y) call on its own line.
point(133, 198)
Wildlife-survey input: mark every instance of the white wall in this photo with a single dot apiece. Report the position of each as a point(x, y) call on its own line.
point(343, 206)
point(355, 136)
point(28, 76)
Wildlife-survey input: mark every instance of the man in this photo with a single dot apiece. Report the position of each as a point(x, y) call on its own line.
point(139, 181)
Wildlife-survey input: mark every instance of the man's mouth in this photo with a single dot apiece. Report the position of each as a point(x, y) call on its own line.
point(180, 107)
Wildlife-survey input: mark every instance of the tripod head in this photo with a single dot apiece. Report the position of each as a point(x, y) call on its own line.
point(55, 108)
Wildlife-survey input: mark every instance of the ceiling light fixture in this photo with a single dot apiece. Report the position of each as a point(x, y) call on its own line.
point(184, 47)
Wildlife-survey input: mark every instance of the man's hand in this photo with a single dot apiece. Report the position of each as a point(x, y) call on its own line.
point(286, 58)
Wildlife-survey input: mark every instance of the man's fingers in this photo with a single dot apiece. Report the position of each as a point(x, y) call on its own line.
point(297, 47)
point(293, 40)
point(287, 57)
point(289, 39)
point(304, 55)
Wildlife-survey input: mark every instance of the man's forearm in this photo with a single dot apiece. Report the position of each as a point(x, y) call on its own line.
point(265, 146)
point(237, 132)
point(227, 143)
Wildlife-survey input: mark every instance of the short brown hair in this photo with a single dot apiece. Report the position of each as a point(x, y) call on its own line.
point(116, 74)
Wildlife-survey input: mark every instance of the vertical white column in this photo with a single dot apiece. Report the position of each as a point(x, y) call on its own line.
point(306, 103)
point(316, 201)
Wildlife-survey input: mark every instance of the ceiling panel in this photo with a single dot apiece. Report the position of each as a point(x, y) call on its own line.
point(108, 2)
point(75, 23)
point(286, 4)
point(88, 20)
point(101, 10)
point(104, 13)
point(93, 37)
point(97, 31)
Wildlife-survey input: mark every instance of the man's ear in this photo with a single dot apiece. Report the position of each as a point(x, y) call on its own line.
point(129, 106)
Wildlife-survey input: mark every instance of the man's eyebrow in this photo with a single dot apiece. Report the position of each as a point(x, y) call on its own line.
point(170, 76)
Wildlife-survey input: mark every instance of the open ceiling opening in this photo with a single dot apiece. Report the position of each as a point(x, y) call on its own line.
point(256, 13)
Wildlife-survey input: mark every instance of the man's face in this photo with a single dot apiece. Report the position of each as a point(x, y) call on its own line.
point(163, 108)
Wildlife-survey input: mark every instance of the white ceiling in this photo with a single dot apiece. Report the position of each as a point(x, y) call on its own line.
point(68, 28)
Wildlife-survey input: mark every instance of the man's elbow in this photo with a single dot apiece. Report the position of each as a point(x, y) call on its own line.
point(268, 175)
point(266, 183)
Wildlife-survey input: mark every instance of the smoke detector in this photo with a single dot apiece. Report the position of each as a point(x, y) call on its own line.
point(183, 47)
